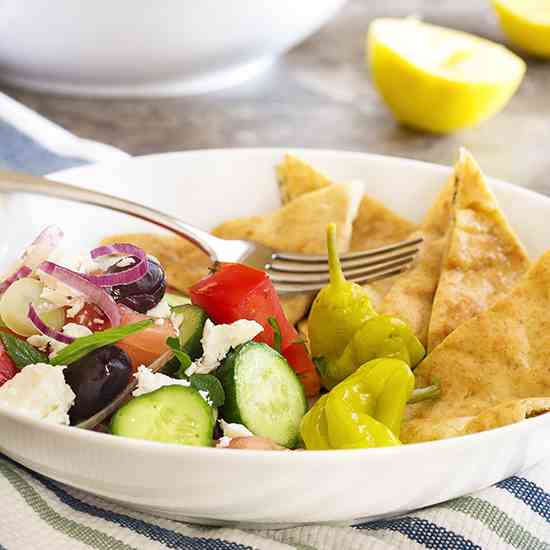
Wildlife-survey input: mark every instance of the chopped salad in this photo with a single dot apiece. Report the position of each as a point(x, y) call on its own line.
point(76, 331)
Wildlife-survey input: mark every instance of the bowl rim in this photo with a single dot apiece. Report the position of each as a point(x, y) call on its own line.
point(108, 440)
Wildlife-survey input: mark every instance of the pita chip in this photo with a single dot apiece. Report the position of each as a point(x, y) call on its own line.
point(299, 226)
point(374, 226)
point(411, 296)
point(494, 369)
point(295, 178)
point(484, 258)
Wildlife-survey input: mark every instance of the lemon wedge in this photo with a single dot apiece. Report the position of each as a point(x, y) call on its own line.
point(438, 79)
point(527, 24)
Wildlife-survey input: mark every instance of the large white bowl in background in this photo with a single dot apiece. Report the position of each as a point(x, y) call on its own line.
point(139, 47)
point(251, 487)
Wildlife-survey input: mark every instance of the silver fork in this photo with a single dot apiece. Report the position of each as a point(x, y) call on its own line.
point(290, 273)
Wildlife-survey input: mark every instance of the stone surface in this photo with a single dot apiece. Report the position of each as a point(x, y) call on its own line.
point(320, 95)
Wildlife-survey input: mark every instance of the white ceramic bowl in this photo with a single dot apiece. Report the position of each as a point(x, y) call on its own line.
point(252, 488)
point(138, 47)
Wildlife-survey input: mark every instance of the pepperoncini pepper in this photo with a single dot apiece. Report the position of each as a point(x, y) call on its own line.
point(345, 331)
point(339, 309)
point(381, 336)
point(365, 410)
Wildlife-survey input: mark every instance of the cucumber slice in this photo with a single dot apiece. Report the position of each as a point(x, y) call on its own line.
point(263, 393)
point(175, 300)
point(191, 327)
point(171, 414)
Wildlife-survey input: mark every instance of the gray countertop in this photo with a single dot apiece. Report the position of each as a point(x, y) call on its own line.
point(320, 95)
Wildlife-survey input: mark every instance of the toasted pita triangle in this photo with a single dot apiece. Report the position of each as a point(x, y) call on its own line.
point(494, 369)
point(411, 297)
point(374, 226)
point(299, 226)
point(484, 258)
point(295, 178)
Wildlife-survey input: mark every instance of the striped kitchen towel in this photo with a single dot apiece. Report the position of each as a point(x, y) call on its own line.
point(39, 514)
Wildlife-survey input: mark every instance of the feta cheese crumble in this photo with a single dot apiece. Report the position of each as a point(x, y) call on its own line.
point(150, 381)
point(81, 262)
point(39, 391)
point(160, 311)
point(176, 319)
point(230, 431)
point(217, 340)
point(41, 341)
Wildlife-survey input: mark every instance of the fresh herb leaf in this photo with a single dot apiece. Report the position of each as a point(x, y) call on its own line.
point(277, 338)
point(211, 385)
point(173, 343)
point(182, 358)
point(82, 346)
point(321, 365)
point(184, 364)
point(21, 352)
point(171, 367)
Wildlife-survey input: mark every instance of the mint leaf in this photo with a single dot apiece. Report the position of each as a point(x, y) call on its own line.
point(173, 343)
point(181, 361)
point(86, 344)
point(184, 364)
point(321, 364)
point(21, 352)
point(277, 338)
point(211, 385)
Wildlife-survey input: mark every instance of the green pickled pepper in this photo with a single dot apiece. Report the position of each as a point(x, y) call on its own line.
point(365, 410)
point(381, 336)
point(338, 311)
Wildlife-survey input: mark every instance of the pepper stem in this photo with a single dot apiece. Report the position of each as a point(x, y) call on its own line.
point(336, 275)
point(421, 394)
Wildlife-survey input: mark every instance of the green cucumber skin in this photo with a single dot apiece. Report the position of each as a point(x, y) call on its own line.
point(190, 342)
point(228, 375)
point(176, 300)
point(126, 421)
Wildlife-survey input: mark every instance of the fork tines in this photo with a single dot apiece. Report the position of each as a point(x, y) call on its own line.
point(298, 273)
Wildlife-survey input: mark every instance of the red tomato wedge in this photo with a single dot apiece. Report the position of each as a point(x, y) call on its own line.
point(241, 292)
point(7, 367)
point(297, 355)
point(91, 317)
point(145, 346)
point(236, 292)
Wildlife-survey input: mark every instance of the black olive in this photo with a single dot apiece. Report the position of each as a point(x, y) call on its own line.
point(144, 294)
point(96, 379)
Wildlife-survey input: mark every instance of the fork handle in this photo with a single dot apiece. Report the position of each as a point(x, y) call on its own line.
point(24, 183)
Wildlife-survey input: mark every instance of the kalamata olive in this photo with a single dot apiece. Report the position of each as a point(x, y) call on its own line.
point(96, 379)
point(144, 294)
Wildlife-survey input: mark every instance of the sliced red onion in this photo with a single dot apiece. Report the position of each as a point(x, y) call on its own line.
point(81, 284)
point(45, 329)
point(34, 255)
point(21, 273)
point(41, 248)
point(126, 277)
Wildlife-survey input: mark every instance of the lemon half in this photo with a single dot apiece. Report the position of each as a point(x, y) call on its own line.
point(527, 24)
point(438, 79)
